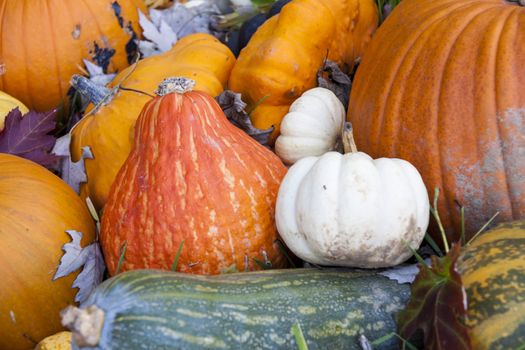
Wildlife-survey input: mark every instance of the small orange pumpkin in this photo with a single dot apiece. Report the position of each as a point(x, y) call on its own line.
point(43, 42)
point(194, 177)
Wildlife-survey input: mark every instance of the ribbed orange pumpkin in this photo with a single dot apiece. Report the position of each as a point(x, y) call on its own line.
point(36, 209)
point(43, 42)
point(282, 58)
point(441, 85)
point(109, 130)
point(194, 177)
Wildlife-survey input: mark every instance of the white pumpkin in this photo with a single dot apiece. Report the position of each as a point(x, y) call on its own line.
point(351, 210)
point(312, 127)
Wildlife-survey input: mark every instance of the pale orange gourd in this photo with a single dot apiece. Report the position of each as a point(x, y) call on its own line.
point(441, 85)
point(43, 42)
point(194, 177)
point(36, 209)
point(283, 57)
point(108, 131)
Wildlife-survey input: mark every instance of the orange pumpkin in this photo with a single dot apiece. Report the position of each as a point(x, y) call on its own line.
point(441, 86)
point(36, 209)
point(283, 57)
point(194, 177)
point(108, 131)
point(43, 42)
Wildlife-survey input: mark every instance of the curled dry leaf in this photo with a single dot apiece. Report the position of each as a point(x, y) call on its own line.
point(75, 257)
point(234, 108)
point(438, 305)
point(73, 173)
point(334, 79)
point(29, 136)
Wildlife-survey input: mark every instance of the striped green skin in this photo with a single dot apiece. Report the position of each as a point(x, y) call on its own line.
point(492, 269)
point(148, 309)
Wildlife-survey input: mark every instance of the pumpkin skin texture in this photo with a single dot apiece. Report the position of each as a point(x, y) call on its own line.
point(492, 270)
point(192, 176)
point(312, 127)
point(57, 35)
point(36, 208)
point(283, 57)
point(351, 210)
point(446, 98)
point(109, 131)
point(7, 104)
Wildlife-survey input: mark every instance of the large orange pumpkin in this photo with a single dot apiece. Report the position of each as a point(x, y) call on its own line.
point(283, 57)
point(36, 209)
point(194, 177)
point(43, 42)
point(108, 131)
point(441, 85)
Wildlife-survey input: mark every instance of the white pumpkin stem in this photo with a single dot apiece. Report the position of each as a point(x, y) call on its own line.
point(349, 145)
point(179, 85)
point(85, 324)
point(95, 93)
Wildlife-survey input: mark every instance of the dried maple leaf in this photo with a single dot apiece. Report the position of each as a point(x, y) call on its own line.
point(334, 79)
point(75, 256)
point(29, 136)
point(438, 305)
point(234, 108)
point(73, 173)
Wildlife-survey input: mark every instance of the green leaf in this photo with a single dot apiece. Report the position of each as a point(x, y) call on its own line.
point(299, 337)
point(122, 256)
point(437, 305)
point(177, 256)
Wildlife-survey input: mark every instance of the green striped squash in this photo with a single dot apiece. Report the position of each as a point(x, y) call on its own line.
point(150, 309)
point(492, 269)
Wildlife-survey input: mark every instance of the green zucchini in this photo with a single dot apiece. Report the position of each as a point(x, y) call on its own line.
point(149, 309)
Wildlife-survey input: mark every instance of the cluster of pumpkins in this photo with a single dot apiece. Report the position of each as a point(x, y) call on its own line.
point(438, 88)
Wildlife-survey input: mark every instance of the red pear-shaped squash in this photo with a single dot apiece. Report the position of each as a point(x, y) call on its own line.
point(194, 177)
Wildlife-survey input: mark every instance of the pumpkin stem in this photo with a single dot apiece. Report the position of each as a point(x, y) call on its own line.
point(179, 85)
point(95, 93)
point(85, 324)
point(349, 145)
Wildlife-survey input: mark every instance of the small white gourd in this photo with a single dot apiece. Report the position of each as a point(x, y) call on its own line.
point(312, 127)
point(351, 210)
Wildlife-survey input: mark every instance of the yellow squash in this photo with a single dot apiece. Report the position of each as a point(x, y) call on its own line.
point(283, 57)
point(108, 131)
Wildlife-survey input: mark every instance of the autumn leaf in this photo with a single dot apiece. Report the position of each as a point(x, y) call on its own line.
point(234, 108)
point(75, 257)
point(73, 173)
point(438, 305)
point(29, 136)
point(331, 77)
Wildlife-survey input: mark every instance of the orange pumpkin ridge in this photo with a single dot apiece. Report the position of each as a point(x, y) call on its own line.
point(192, 176)
point(446, 97)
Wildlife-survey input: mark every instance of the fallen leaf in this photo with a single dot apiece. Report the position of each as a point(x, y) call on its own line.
point(334, 79)
point(97, 75)
point(437, 306)
point(166, 26)
point(234, 108)
point(73, 173)
point(75, 257)
point(29, 136)
point(402, 273)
